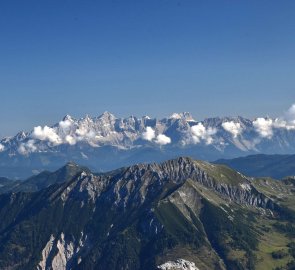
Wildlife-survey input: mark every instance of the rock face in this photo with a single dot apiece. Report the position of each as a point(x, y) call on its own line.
point(107, 142)
point(139, 217)
point(59, 254)
point(137, 183)
point(180, 264)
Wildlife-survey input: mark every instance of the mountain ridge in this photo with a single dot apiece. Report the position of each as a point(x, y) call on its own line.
point(146, 216)
point(94, 142)
point(276, 166)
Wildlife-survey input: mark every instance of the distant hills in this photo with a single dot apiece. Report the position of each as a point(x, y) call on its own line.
point(107, 142)
point(41, 180)
point(275, 166)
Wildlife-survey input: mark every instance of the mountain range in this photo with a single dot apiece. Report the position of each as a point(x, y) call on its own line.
point(275, 166)
point(179, 214)
point(106, 142)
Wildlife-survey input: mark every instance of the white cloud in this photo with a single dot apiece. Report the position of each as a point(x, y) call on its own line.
point(264, 127)
point(288, 120)
point(27, 147)
point(46, 134)
point(162, 139)
point(65, 124)
point(234, 128)
point(81, 131)
point(290, 114)
point(70, 140)
point(148, 134)
point(2, 147)
point(200, 132)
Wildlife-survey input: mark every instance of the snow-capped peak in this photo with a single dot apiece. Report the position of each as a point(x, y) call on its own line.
point(107, 115)
point(177, 131)
point(67, 117)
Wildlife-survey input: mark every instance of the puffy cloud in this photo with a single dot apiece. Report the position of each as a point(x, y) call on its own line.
point(70, 140)
point(288, 120)
point(2, 147)
point(234, 128)
point(27, 147)
point(65, 124)
point(148, 134)
point(200, 132)
point(264, 127)
point(162, 139)
point(85, 134)
point(290, 115)
point(279, 123)
point(46, 134)
point(81, 131)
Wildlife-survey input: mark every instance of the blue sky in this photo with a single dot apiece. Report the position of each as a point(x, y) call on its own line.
point(149, 57)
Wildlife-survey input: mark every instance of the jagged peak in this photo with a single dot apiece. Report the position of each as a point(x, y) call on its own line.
point(67, 117)
point(87, 117)
point(107, 115)
point(21, 135)
point(181, 159)
point(183, 115)
point(73, 168)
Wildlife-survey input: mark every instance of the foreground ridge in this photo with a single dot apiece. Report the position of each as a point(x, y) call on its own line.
point(144, 216)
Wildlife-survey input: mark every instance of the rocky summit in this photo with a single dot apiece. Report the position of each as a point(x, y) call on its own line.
point(179, 214)
point(107, 142)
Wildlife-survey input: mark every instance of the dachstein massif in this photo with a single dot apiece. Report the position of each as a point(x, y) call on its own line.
point(109, 193)
point(106, 142)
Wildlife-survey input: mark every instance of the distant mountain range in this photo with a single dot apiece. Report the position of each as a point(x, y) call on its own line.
point(107, 142)
point(178, 215)
point(275, 166)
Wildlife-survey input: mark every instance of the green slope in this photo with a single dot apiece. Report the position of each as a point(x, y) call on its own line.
point(145, 215)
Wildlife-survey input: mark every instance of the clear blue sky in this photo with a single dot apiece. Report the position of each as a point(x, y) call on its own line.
point(144, 57)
